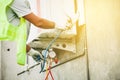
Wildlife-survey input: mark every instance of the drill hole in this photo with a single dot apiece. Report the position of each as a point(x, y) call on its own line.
point(8, 49)
point(57, 45)
point(64, 45)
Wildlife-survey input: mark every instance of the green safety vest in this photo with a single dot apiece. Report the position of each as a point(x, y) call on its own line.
point(13, 33)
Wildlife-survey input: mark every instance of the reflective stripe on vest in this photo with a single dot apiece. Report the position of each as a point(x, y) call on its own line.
point(13, 33)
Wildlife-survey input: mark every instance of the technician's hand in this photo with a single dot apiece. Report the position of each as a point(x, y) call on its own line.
point(67, 26)
point(71, 21)
point(37, 56)
point(59, 27)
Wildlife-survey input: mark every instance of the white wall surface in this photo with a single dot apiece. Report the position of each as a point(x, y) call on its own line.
point(103, 30)
point(0, 60)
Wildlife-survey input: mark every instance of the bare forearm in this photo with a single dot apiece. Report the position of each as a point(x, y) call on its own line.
point(46, 24)
point(39, 22)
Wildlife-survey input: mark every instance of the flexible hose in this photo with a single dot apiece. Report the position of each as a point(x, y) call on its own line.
point(48, 47)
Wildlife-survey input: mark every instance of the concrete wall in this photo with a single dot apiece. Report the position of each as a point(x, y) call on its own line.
point(0, 60)
point(9, 66)
point(103, 29)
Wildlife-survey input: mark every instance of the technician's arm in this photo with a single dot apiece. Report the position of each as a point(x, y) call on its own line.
point(39, 22)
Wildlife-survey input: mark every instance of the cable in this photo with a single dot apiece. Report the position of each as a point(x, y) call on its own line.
point(28, 69)
point(49, 73)
point(45, 53)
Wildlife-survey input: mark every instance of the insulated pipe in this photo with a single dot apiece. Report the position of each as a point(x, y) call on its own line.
point(86, 48)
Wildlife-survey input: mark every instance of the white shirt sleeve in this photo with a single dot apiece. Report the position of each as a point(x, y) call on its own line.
point(21, 7)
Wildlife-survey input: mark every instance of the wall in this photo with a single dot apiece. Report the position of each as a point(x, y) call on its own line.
point(103, 29)
point(9, 66)
point(0, 60)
